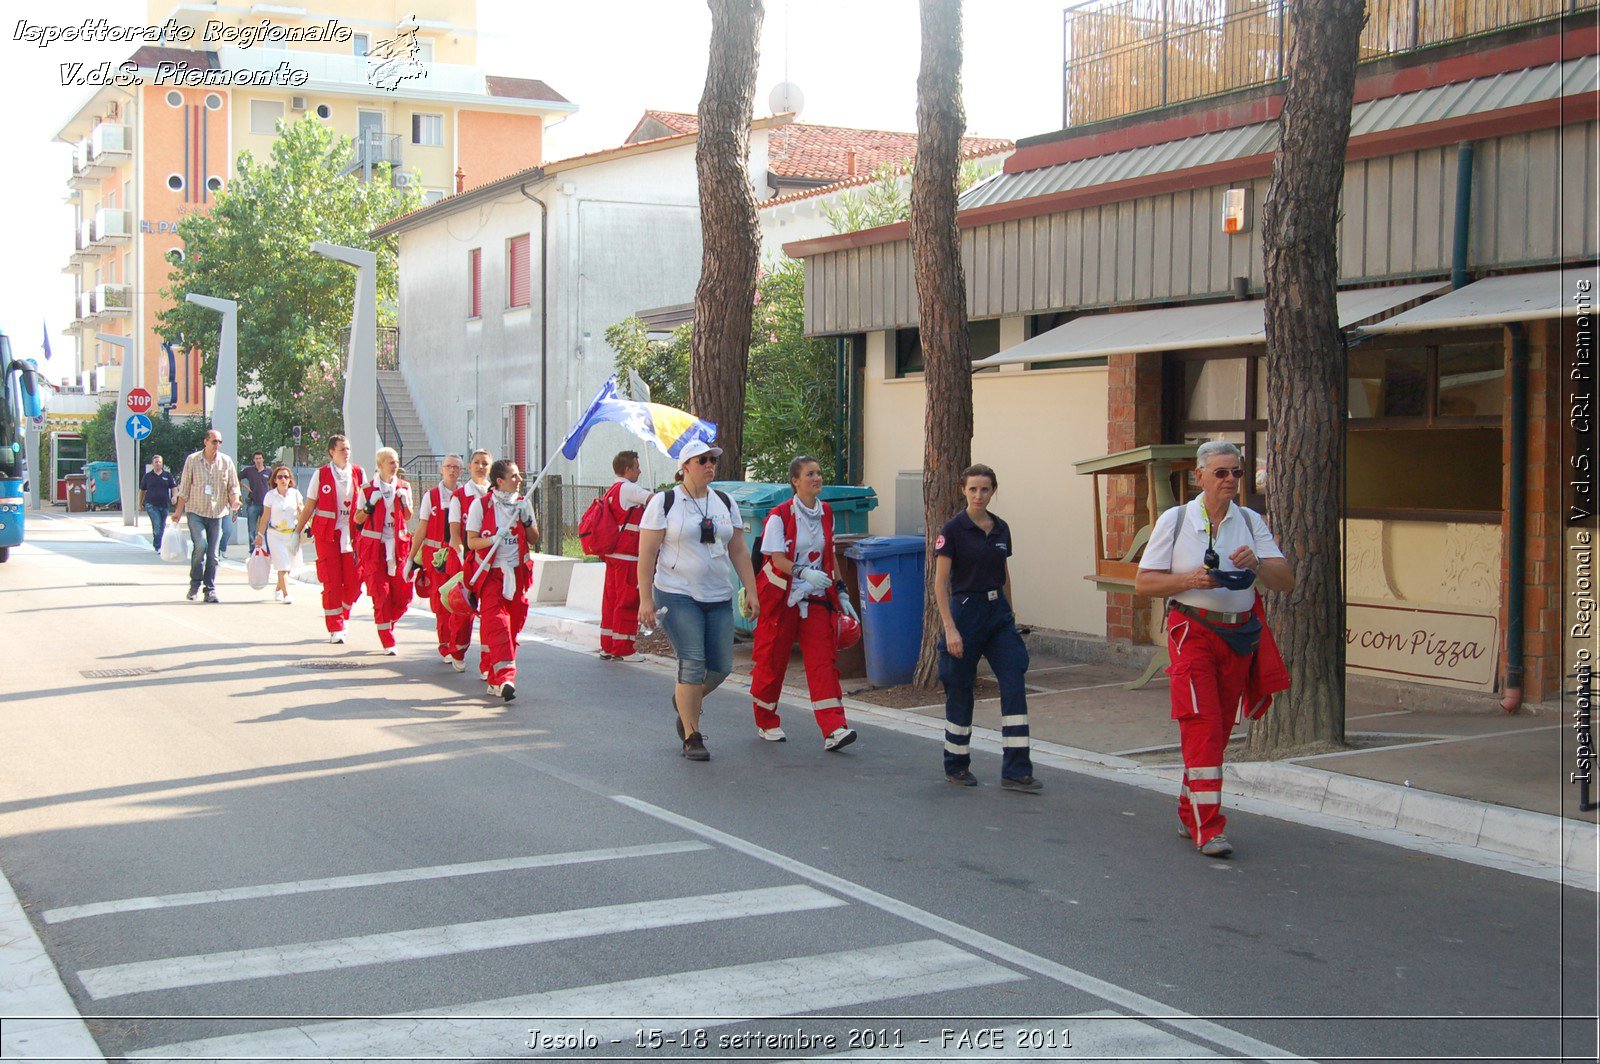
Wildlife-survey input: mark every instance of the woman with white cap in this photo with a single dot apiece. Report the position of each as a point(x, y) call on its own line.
point(687, 538)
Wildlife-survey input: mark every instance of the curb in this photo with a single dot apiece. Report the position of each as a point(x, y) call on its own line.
point(41, 1022)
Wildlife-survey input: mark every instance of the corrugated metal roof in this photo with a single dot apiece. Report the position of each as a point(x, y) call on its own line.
point(1494, 300)
point(1375, 116)
point(1190, 328)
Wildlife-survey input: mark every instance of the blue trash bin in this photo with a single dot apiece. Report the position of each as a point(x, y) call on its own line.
point(891, 572)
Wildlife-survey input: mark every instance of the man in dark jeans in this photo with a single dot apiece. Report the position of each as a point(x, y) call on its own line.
point(208, 490)
point(257, 478)
point(157, 486)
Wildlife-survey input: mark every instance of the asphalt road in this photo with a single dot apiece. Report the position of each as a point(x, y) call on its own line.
point(261, 846)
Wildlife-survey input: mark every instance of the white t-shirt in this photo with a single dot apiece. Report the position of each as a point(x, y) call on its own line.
point(632, 494)
point(1181, 549)
point(282, 510)
point(473, 492)
point(686, 566)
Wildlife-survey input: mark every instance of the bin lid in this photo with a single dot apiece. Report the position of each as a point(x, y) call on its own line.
point(95, 467)
point(850, 498)
point(753, 494)
point(885, 546)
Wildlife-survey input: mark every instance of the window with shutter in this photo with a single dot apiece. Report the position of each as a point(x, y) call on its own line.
point(517, 280)
point(475, 283)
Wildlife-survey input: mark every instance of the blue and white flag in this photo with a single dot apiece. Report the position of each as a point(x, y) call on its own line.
point(669, 428)
point(46, 341)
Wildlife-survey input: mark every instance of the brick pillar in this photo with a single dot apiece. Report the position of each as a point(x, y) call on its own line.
point(1133, 419)
point(1542, 595)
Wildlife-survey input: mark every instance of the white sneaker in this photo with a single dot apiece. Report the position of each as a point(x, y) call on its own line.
point(336, 637)
point(635, 656)
point(459, 666)
point(391, 652)
point(277, 596)
point(287, 598)
point(772, 735)
point(838, 739)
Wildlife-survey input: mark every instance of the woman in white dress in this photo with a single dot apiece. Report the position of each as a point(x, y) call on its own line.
point(276, 528)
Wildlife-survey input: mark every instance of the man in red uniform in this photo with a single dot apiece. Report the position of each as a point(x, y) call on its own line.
point(476, 487)
point(385, 544)
point(500, 533)
point(331, 501)
point(619, 609)
point(1204, 557)
point(434, 516)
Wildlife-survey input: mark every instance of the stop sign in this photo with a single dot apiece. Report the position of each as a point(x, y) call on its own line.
point(140, 401)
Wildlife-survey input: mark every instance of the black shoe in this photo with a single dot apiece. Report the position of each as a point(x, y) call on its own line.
point(964, 778)
point(1025, 784)
point(211, 596)
point(193, 591)
point(508, 690)
point(694, 748)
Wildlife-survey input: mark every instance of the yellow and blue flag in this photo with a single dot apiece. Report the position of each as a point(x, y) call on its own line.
point(669, 428)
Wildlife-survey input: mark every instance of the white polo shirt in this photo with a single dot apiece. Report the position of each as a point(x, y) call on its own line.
point(1180, 547)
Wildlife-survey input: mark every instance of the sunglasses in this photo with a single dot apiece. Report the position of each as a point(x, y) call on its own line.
point(1223, 474)
point(283, 476)
point(703, 459)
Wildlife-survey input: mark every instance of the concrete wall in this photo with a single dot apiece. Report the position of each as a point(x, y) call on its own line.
point(1030, 425)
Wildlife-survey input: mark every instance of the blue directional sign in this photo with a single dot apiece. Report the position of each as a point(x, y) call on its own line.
point(137, 426)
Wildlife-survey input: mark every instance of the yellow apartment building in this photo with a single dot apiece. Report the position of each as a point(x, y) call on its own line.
point(157, 135)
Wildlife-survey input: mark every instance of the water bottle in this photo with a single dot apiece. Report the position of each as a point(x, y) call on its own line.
point(646, 630)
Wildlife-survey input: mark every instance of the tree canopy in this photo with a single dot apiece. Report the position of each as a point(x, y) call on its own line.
point(254, 246)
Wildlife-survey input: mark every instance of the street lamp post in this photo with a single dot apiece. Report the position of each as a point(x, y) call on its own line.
point(127, 449)
point(225, 411)
point(361, 372)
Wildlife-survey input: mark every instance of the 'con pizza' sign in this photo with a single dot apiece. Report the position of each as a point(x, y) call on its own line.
point(1448, 646)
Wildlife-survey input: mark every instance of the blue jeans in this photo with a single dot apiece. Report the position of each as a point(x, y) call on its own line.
point(158, 521)
point(988, 630)
point(701, 634)
point(204, 533)
point(252, 518)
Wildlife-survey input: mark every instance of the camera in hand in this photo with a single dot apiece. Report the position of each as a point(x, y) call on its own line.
point(708, 530)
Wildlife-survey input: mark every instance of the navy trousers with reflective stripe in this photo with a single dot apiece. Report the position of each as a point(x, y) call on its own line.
point(988, 630)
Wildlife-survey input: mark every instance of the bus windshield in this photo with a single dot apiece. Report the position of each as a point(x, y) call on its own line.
point(20, 387)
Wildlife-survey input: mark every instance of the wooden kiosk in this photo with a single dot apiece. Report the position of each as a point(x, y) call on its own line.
point(1160, 465)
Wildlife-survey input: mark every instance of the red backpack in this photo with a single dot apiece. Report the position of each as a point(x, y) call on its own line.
point(598, 531)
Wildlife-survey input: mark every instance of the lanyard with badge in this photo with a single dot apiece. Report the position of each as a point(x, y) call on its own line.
point(708, 528)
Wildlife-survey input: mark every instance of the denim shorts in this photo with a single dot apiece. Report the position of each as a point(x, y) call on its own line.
point(701, 634)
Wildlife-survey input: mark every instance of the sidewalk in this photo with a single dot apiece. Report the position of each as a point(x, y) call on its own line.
point(1479, 786)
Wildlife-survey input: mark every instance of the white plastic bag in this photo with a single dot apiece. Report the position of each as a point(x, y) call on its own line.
point(175, 544)
point(258, 569)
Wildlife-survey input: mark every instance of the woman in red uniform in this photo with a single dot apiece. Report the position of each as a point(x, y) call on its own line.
point(433, 513)
point(385, 544)
point(798, 601)
point(500, 533)
point(331, 502)
point(476, 487)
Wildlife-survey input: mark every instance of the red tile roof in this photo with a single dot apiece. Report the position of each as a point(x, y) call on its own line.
point(803, 152)
point(869, 177)
point(522, 89)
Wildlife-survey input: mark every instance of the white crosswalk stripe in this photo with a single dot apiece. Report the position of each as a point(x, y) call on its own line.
point(369, 879)
point(356, 950)
point(794, 985)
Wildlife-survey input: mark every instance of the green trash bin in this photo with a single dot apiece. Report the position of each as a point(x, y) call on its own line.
point(851, 503)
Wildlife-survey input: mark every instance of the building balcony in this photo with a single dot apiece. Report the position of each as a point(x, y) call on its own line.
point(111, 300)
point(1129, 56)
point(82, 251)
point(111, 227)
point(372, 150)
point(81, 177)
point(109, 147)
point(85, 308)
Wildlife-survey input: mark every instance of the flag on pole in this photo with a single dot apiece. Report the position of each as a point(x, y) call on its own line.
point(669, 428)
point(46, 341)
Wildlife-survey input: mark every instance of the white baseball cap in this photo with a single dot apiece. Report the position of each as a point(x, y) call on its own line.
point(695, 448)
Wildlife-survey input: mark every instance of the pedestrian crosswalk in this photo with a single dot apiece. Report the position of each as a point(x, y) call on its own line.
point(595, 1019)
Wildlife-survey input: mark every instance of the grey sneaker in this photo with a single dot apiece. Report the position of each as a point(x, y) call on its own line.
point(211, 596)
point(1218, 847)
point(694, 748)
point(964, 778)
point(193, 591)
point(772, 735)
point(838, 739)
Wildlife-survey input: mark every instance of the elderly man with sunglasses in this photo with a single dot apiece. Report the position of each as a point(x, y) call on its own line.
point(1205, 558)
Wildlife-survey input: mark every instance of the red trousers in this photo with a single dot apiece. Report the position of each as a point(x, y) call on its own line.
point(341, 583)
point(391, 597)
point(454, 630)
point(500, 622)
point(1207, 689)
point(776, 631)
point(619, 609)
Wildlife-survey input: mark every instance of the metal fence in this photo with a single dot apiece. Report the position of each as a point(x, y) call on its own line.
point(388, 345)
point(1126, 56)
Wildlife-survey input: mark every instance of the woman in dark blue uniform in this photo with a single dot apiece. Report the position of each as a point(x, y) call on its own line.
point(973, 587)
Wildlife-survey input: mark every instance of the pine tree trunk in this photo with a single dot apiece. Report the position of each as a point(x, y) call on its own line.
point(1306, 371)
point(941, 290)
point(730, 234)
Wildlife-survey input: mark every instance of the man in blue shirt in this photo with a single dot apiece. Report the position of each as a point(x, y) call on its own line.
point(157, 487)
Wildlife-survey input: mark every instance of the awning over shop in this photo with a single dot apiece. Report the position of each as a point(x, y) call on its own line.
point(1494, 300)
point(1189, 328)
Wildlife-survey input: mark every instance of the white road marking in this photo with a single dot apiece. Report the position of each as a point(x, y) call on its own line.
point(356, 950)
point(1125, 999)
point(370, 879)
point(792, 986)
